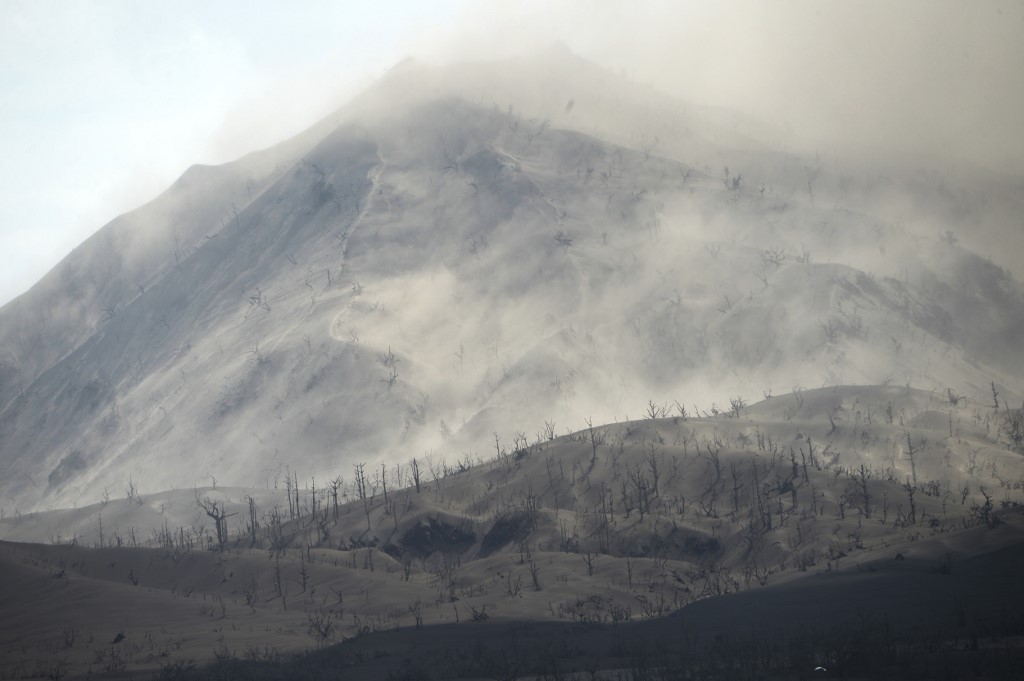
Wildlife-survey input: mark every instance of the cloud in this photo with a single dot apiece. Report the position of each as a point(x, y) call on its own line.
point(104, 104)
point(916, 77)
point(110, 101)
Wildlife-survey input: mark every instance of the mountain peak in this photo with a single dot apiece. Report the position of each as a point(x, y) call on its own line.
point(456, 254)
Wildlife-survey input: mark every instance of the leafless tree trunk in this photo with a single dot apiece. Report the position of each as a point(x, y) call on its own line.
point(910, 456)
point(416, 474)
point(361, 491)
point(216, 511)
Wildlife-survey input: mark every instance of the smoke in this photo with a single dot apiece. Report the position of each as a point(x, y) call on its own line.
point(924, 79)
point(519, 271)
point(144, 92)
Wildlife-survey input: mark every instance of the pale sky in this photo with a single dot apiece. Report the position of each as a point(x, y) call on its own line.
point(103, 104)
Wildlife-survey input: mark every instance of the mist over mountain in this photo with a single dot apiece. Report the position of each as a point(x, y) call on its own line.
point(487, 250)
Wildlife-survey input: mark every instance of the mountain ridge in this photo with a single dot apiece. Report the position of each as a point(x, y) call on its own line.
point(419, 279)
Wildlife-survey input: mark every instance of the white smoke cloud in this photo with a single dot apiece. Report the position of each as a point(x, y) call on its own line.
point(104, 104)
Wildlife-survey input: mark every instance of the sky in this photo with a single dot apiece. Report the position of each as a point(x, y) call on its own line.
point(103, 104)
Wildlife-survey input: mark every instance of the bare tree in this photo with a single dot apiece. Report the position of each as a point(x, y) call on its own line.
point(132, 492)
point(513, 587)
point(911, 489)
point(563, 238)
point(860, 480)
point(985, 512)
point(391, 379)
point(388, 359)
point(1013, 425)
point(335, 484)
point(321, 625)
point(417, 613)
point(416, 474)
point(655, 411)
point(831, 331)
point(217, 512)
point(731, 182)
point(911, 452)
point(812, 175)
point(773, 256)
point(596, 438)
point(361, 490)
point(736, 404)
point(259, 300)
point(253, 524)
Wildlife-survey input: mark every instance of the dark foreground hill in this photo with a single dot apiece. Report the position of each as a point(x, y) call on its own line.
point(867, 529)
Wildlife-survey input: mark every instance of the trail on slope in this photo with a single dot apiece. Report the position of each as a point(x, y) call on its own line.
point(375, 174)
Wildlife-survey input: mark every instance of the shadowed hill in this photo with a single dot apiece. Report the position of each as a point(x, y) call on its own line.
point(829, 511)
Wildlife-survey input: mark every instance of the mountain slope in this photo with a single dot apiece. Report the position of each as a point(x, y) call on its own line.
point(429, 271)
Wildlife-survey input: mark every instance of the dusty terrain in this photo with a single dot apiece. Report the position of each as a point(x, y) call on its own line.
point(436, 262)
point(798, 513)
point(523, 370)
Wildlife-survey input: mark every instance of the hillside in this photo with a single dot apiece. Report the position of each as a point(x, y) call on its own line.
point(424, 269)
point(521, 369)
point(829, 501)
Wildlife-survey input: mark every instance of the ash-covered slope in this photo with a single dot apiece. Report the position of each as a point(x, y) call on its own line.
point(421, 271)
point(853, 506)
point(116, 265)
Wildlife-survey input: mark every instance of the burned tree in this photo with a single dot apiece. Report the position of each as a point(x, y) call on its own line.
point(361, 490)
point(859, 494)
point(217, 512)
point(335, 484)
point(1013, 425)
point(910, 457)
point(416, 474)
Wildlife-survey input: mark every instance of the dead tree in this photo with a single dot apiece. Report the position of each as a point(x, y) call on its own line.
point(253, 524)
point(595, 439)
point(761, 504)
point(642, 487)
point(361, 492)
point(218, 513)
point(652, 465)
point(984, 512)
point(416, 474)
point(860, 480)
point(563, 238)
point(910, 456)
point(1013, 425)
point(737, 487)
point(132, 492)
point(336, 484)
point(735, 405)
point(288, 493)
point(731, 182)
point(910, 489)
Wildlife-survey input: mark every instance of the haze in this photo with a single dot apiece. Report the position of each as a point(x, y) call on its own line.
point(586, 313)
point(104, 104)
